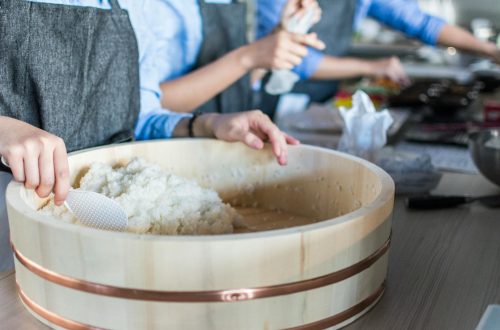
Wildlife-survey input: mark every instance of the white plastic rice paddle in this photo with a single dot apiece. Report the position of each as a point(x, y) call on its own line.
point(96, 210)
point(93, 209)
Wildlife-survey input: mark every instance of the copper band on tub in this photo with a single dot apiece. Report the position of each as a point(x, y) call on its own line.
point(52, 317)
point(318, 325)
point(345, 315)
point(203, 296)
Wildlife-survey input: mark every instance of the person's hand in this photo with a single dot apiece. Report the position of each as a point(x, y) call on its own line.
point(251, 127)
point(494, 53)
point(279, 50)
point(282, 49)
point(390, 68)
point(298, 8)
point(496, 57)
point(37, 158)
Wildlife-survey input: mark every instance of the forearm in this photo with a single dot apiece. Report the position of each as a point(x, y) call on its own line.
point(189, 92)
point(3, 119)
point(333, 68)
point(454, 36)
point(202, 126)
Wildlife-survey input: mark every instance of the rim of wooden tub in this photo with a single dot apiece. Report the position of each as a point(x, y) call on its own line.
point(16, 192)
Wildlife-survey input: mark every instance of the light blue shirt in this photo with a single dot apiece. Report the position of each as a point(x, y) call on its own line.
point(164, 50)
point(403, 15)
point(177, 29)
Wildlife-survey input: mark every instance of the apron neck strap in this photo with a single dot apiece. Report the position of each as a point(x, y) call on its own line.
point(115, 5)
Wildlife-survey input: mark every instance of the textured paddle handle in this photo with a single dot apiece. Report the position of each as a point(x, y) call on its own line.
point(434, 202)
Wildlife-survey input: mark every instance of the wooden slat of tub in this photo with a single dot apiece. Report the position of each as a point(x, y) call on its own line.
point(6, 274)
point(12, 314)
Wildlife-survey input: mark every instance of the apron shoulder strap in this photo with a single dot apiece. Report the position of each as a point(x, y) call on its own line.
point(115, 5)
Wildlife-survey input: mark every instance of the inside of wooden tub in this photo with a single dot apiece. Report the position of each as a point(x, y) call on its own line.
point(316, 185)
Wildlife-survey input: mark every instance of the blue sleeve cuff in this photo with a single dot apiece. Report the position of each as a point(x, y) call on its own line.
point(158, 124)
point(309, 64)
point(432, 30)
point(407, 17)
point(268, 16)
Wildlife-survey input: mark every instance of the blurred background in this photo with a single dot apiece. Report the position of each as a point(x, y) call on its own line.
point(463, 12)
point(451, 95)
point(480, 16)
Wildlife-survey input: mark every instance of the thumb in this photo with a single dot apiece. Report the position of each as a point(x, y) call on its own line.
point(310, 40)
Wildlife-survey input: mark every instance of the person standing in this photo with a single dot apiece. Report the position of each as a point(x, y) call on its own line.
point(209, 71)
point(69, 79)
point(321, 71)
point(56, 66)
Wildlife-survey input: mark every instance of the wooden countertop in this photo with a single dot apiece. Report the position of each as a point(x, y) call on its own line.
point(444, 268)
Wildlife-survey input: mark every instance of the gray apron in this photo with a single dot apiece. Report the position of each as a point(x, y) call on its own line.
point(6, 259)
point(224, 30)
point(337, 33)
point(72, 71)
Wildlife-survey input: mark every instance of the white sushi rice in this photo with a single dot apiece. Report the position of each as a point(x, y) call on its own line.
point(156, 202)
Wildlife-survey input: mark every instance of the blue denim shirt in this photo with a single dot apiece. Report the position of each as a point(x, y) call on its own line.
point(403, 15)
point(165, 51)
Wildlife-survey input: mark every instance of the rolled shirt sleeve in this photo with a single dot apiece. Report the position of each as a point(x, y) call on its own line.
point(170, 36)
point(155, 122)
point(407, 17)
point(158, 124)
point(268, 17)
point(309, 64)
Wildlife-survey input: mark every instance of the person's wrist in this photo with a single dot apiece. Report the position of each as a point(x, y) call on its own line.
point(190, 124)
point(489, 49)
point(204, 126)
point(369, 68)
point(246, 56)
point(281, 26)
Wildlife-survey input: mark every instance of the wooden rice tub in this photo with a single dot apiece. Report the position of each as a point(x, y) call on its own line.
point(314, 254)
